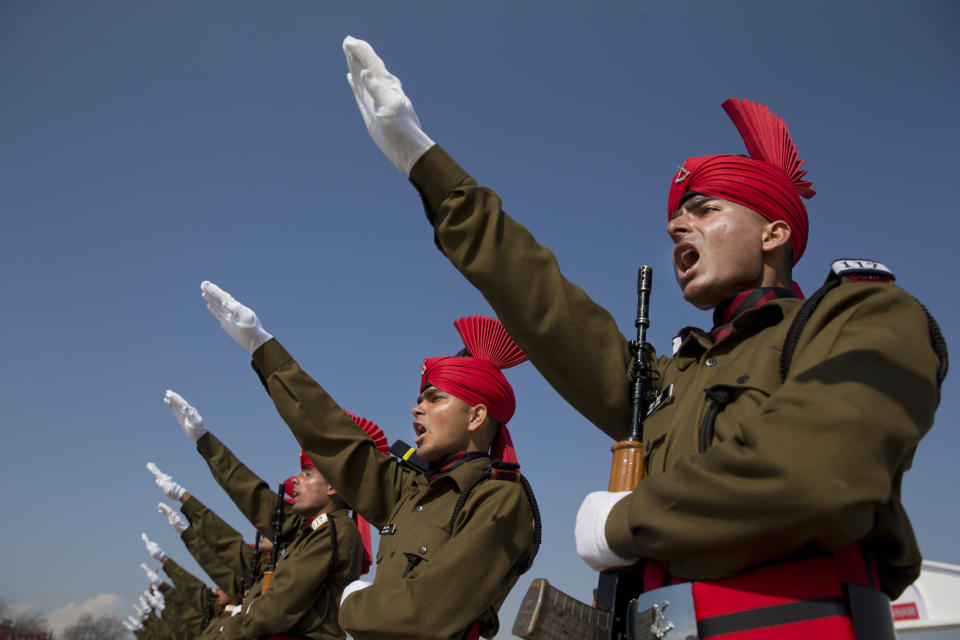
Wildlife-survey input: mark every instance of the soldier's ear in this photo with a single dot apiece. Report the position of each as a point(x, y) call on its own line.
point(775, 234)
point(477, 417)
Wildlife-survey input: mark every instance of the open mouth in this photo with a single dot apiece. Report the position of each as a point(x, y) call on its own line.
point(685, 256)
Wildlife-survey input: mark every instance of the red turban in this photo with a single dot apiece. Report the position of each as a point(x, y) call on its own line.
point(770, 181)
point(476, 379)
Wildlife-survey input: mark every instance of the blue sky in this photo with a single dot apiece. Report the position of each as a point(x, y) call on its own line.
point(145, 147)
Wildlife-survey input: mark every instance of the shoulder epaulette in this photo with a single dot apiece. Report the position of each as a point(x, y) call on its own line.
point(407, 454)
point(860, 270)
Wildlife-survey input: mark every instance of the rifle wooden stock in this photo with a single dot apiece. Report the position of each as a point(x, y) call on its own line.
point(627, 468)
point(267, 579)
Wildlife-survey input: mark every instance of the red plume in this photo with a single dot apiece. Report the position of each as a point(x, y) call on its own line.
point(372, 430)
point(767, 138)
point(380, 441)
point(485, 337)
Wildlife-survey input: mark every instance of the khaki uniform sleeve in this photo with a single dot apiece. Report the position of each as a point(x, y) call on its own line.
point(223, 540)
point(191, 595)
point(371, 482)
point(255, 499)
point(543, 312)
point(817, 463)
point(438, 598)
point(224, 576)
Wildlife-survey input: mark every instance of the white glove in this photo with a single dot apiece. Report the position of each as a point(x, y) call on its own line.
point(151, 575)
point(386, 110)
point(152, 548)
point(144, 604)
point(354, 586)
point(134, 622)
point(157, 601)
point(129, 627)
point(178, 523)
point(234, 609)
point(170, 488)
point(590, 533)
point(190, 421)
point(237, 320)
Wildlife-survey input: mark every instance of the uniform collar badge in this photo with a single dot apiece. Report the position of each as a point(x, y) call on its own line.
point(682, 173)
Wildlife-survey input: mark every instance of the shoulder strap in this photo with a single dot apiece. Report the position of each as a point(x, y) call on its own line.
point(861, 270)
point(510, 472)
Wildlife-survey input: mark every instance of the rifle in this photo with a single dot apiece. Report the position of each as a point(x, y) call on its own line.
point(547, 613)
point(277, 522)
point(616, 587)
point(255, 561)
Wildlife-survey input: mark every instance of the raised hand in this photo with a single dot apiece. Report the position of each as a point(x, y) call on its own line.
point(386, 110)
point(152, 548)
point(151, 575)
point(170, 488)
point(178, 523)
point(238, 321)
point(190, 421)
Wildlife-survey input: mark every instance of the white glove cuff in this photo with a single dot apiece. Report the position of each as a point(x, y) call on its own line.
point(590, 531)
point(414, 144)
point(356, 585)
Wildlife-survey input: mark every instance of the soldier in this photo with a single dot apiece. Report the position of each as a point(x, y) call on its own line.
point(751, 465)
point(454, 537)
point(320, 551)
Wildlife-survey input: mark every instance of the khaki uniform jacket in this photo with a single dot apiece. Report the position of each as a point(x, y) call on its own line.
point(454, 577)
point(304, 596)
point(223, 626)
point(193, 597)
point(813, 463)
point(231, 556)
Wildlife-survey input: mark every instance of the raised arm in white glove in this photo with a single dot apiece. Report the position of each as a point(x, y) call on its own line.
point(157, 601)
point(170, 488)
point(237, 320)
point(129, 627)
point(190, 421)
point(151, 575)
point(386, 110)
point(152, 548)
point(590, 530)
point(178, 523)
point(144, 604)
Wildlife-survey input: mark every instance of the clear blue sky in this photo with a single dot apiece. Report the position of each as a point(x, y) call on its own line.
point(145, 147)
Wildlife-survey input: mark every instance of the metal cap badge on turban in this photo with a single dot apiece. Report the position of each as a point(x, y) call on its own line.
point(380, 442)
point(476, 378)
point(770, 181)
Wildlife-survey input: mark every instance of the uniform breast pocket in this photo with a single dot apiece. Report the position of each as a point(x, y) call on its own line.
point(656, 439)
point(422, 547)
point(737, 394)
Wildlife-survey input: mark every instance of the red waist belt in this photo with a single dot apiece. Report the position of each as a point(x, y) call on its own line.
point(796, 599)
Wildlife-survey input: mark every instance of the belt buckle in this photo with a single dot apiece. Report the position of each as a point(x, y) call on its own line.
point(664, 614)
